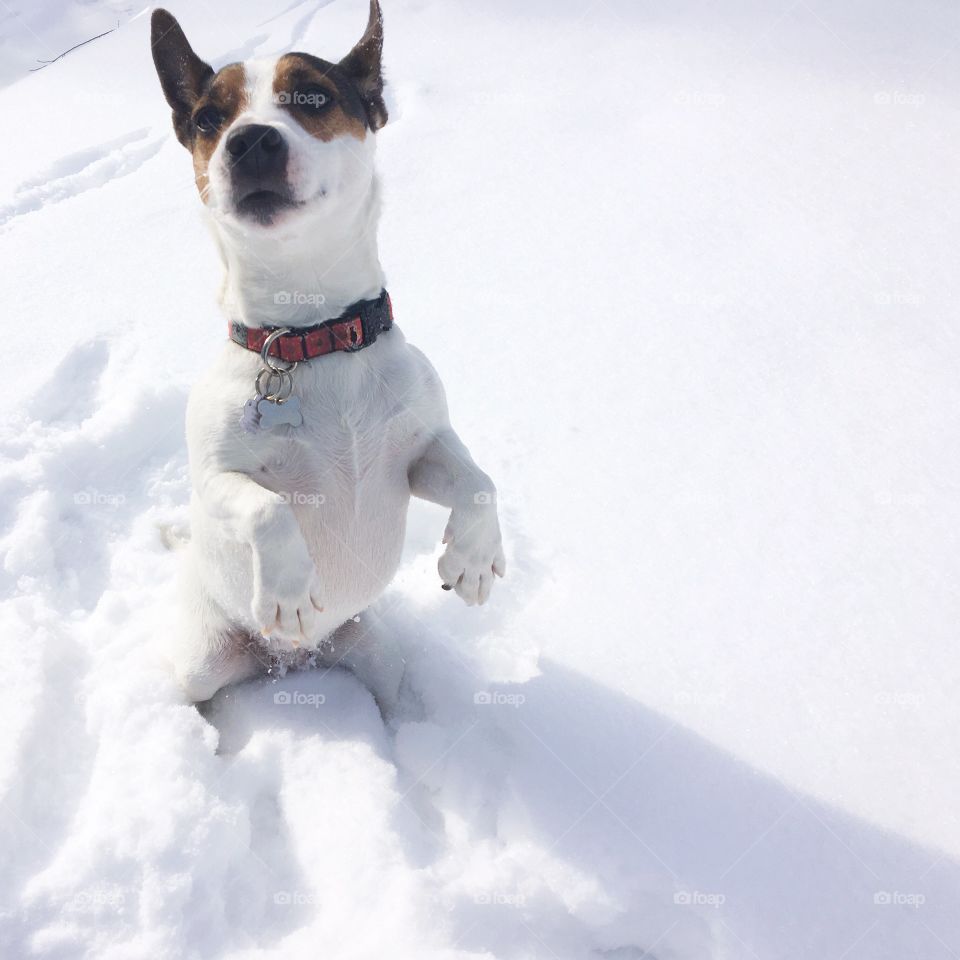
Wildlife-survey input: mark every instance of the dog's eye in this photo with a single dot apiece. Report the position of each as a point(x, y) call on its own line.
point(311, 98)
point(208, 120)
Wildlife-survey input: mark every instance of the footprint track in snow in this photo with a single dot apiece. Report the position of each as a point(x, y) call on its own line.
point(81, 171)
point(69, 464)
point(69, 394)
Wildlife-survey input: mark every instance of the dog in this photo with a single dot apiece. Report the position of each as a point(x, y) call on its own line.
point(318, 421)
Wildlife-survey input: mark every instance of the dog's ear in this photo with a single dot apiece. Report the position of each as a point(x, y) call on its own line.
point(182, 73)
point(362, 65)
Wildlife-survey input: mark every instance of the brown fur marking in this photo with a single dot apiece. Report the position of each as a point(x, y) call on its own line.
point(294, 72)
point(227, 93)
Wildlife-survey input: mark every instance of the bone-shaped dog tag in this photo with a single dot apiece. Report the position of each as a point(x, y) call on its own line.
point(273, 414)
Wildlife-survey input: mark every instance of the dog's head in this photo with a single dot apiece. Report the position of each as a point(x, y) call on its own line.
point(274, 140)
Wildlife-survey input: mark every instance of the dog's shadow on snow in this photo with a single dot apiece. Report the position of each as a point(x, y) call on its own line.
point(667, 824)
point(674, 846)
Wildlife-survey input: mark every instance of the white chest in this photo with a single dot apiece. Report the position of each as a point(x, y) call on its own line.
point(343, 471)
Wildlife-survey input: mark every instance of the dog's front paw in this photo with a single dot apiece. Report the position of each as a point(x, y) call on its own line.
point(473, 556)
point(286, 598)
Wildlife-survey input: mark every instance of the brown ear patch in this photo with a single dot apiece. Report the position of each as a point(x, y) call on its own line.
point(223, 100)
point(300, 79)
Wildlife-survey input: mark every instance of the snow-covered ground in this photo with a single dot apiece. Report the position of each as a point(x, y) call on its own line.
point(688, 270)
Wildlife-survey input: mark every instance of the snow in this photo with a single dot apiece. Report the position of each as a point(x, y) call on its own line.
point(688, 273)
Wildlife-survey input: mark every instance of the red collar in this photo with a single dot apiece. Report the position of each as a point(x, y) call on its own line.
point(355, 329)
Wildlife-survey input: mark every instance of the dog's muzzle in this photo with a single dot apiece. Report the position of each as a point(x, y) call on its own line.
point(257, 157)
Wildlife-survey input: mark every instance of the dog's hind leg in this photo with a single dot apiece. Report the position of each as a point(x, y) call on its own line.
point(227, 658)
point(208, 652)
point(370, 652)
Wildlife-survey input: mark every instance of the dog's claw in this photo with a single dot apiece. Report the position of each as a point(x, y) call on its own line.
point(288, 596)
point(473, 556)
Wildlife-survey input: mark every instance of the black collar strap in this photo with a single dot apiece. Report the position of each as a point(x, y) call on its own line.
point(355, 329)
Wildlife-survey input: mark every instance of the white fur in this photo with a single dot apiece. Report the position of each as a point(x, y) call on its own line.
point(296, 530)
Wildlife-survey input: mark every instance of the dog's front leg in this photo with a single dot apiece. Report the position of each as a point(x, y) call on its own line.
point(286, 588)
point(446, 474)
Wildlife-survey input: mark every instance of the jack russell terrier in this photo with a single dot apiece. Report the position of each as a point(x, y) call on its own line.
point(318, 420)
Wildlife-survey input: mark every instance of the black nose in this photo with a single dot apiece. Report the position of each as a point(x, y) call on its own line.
point(257, 150)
